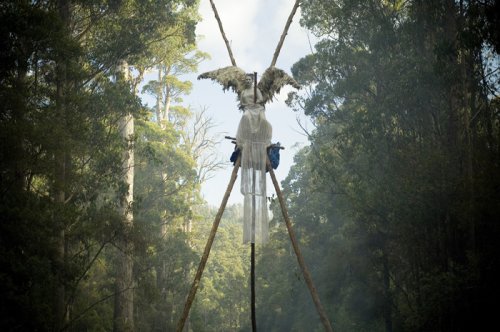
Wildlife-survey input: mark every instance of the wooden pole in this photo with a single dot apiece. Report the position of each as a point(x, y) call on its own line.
point(208, 246)
point(252, 285)
point(252, 244)
point(254, 87)
point(285, 32)
point(223, 34)
point(300, 258)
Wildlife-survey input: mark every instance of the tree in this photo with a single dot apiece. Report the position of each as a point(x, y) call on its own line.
point(223, 298)
point(61, 149)
point(124, 298)
point(394, 87)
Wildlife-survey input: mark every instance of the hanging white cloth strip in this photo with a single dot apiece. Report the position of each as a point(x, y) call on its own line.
point(253, 137)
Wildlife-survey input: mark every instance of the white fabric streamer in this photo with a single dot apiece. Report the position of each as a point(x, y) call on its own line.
point(253, 137)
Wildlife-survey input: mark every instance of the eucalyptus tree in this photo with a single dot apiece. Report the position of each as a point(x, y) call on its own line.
point(51, 120)
point(401, 95)
point(61, 157)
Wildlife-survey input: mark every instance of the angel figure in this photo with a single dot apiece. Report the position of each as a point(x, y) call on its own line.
point(253, 138)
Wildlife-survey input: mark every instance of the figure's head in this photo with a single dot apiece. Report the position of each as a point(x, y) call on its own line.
point(249, 79)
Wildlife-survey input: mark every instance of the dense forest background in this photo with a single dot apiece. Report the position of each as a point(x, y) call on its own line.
point(396, 201)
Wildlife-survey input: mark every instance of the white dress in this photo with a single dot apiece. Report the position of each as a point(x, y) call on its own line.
point(253, 137)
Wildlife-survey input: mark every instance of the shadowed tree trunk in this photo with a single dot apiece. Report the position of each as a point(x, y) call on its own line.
point(60, 312)
point(124, 297)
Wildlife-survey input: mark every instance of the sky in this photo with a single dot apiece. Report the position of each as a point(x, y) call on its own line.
point(253, 28)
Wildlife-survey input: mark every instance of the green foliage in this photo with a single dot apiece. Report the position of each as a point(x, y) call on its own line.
point(61, 156)
point(223, 299)
point(404, 142)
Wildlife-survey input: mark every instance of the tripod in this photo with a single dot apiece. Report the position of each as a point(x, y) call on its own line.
point(293, 239)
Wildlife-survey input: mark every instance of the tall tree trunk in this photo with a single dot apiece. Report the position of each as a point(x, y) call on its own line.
point(462, 101)
point(166, 109)
point(167, 87)
point(124, 297)
point(165, 311)
point(60, 157)
point(163, 102)
point(168, 100)
point(159, 113)
point(387, 294)
point(468, 80)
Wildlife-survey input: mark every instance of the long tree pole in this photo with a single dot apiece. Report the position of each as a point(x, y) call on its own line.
point(285, 32)
point(300, 258)
point(252, 265)
point(233, 62)
point(208, 246)
point(252, 244)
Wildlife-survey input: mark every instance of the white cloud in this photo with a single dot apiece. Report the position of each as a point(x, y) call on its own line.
point(239, 25)
point(253, 28)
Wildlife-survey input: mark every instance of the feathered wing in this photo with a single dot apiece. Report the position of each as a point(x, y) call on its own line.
point(230, 77)
point(272, 81)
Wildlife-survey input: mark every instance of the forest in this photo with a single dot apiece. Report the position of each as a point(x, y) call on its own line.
point(395, 201)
